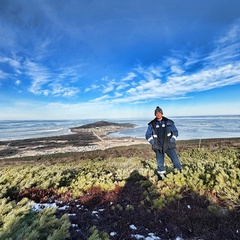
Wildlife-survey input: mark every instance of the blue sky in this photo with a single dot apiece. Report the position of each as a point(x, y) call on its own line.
point(80, 59)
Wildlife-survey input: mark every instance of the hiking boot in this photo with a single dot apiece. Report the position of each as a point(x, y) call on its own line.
point(161, 175)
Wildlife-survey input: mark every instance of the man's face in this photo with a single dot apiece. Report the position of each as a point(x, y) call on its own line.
point(158, 115)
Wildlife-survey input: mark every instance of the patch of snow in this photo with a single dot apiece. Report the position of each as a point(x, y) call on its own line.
point(133, 227)
point(37, 207)
point(113, 234)
point(152, 237)
point(138, 236)
point(72, 214)
point(179, 238)
point(63, 208)
point(74, 225)
point(95, 213)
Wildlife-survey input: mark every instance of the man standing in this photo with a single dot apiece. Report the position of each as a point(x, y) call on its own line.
point(162, 135)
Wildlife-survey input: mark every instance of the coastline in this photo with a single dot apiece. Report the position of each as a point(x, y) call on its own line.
point(93, 137)
point(85, 138)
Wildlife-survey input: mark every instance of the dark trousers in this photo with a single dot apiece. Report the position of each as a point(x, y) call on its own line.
point(171, 152)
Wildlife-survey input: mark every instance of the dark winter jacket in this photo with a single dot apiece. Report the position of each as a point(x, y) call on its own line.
point(162, 135)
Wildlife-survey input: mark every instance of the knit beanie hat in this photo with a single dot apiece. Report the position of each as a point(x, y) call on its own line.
point(158, 109)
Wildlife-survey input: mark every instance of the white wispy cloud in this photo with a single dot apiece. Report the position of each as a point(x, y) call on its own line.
point(18, 82)
point(58, 90)
point(12, 62)
point(3, 75)
point(226, 48)
point(45, 83)
point(129, 77)
point(184, 72)
point(101, 99)
point(39, 76)
point(122, 86)
point(92, 87)
point(108, 86)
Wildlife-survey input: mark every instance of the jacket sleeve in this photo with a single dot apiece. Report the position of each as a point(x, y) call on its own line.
point(174, 131)
point(149, 134)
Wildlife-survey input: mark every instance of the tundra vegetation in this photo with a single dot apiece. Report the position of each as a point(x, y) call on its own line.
point(115, 194)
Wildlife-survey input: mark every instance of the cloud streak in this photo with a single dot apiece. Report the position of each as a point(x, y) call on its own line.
point(175, 76)
point(108, 53)
point(183, 73)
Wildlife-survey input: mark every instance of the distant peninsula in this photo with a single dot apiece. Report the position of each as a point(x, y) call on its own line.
point(84, 138)
point(100, 124)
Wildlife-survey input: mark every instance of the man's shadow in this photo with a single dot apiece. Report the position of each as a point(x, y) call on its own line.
point(132, 214)
point(132, 211)
point(135, 214)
